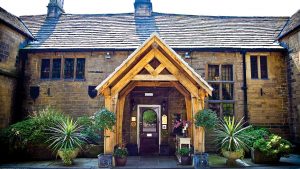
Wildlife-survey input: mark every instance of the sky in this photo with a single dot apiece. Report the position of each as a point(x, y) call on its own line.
point(194, 7)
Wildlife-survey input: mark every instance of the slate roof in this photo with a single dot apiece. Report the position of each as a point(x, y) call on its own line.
point(292, 24)
point(124, 31)
point(15, 22)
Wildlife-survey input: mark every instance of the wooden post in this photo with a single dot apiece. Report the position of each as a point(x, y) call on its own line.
point(198, 131)
point(109, 136)
point(120, 110)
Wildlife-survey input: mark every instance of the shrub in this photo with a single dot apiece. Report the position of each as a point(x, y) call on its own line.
point(184, 151)
point(206, 118)
point(18, 135)
point(273, 145)
point(105, 119)
point(254, 134)
point(90, 130)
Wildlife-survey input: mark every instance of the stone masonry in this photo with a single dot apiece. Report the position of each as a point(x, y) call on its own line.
point(293, 63)
point(268, 110)
point(10, 41)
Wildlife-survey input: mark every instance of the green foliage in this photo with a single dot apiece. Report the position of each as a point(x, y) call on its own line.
point(121, 152)
point(18, 135)
point(229, 134)
point(89, 129)
point(31, 130)
point(255, 133)
point(184, 151)
point(65, 135)
point(273, 145)
point(105, 119)
point(206, 118)
point(149, 116)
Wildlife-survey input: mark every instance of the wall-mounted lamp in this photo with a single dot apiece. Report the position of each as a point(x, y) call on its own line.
point(107, 56)
point(187, 55)
point(92, 91)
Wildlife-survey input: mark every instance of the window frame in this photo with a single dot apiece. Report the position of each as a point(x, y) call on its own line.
point(41, 69)
point(259, 66)
point(62, 69)
point(220, 82)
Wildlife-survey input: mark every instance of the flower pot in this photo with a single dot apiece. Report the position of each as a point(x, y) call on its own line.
point(260, 158)
point(120, 161)
point(232, 156)
point(67, 156)
point(185, 160)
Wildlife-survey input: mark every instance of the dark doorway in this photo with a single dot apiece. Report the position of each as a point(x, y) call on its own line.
point(149, 129)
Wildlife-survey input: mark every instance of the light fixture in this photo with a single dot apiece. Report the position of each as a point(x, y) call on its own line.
point(107, 56)
point(187, 55)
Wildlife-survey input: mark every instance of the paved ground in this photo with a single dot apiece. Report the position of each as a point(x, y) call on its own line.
point(293, 162)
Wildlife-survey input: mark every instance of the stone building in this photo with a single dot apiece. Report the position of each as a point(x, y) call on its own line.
point(290, 39)
point(14, 35)
point(165, 62)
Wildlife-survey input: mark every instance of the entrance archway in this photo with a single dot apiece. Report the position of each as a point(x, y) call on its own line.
point(153, 64)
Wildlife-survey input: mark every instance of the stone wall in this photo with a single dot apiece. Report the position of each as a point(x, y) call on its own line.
point(269, 110)
point(293, 62)
point(10, 41)
point(267, 98)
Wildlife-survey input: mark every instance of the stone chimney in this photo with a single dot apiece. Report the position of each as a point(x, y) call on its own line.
point(142, 8)
point(55, 8)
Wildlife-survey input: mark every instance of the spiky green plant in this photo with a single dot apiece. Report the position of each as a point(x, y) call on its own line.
point(65, 135)
point(230, 135)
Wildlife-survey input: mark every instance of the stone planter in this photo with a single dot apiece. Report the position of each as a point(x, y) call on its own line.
point(201, 161)
point(120, 161)
point(68, 156)
point(260, 158)
point(40, 152)
point(232, 156)
point(104, 160)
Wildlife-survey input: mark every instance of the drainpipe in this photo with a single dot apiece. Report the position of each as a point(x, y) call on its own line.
point(245, 87)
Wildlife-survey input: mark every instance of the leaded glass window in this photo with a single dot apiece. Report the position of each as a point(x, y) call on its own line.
point(56, 67)
point(80, 65)
point(69, 68)
point(45, 69)
point(220, 77)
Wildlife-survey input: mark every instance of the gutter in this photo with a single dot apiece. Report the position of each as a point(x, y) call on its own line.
point(245, 88)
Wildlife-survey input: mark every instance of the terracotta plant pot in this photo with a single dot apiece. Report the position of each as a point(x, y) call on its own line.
point(120, 161)
point(232, 156)
point(260, 158)
point(185, 160)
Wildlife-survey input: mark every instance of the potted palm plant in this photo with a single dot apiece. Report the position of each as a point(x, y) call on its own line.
point(231, 138)
point(66, 139)
point(120, 155)
point(185, 157)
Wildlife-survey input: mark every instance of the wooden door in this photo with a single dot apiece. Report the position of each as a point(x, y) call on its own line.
point(149, 130)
